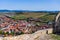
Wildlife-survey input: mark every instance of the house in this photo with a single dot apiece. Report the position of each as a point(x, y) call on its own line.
point(11, 25)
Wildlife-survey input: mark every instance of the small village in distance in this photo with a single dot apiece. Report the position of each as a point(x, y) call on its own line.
point(25, 22)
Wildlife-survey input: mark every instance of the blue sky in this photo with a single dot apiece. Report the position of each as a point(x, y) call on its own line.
point(30, 4)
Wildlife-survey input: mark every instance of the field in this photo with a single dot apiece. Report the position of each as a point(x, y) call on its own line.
point(45, 16)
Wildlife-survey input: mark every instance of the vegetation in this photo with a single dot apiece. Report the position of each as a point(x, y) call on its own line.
point(26, 15)
point(48, 17)
point(44, 16)
point(17, 17)
point(55, 36)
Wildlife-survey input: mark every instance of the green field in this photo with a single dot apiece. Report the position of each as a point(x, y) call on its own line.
point(45, 16)
point(26, 15)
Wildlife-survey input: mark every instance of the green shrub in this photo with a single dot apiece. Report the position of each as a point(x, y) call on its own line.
point(0, 32)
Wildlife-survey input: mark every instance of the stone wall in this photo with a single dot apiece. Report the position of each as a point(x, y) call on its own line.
point(33, 36)
point(56, 26)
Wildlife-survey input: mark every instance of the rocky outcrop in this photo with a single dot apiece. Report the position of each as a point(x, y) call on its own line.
point(35, 36)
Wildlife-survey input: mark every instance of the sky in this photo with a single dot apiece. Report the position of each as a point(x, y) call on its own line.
point(49, 5)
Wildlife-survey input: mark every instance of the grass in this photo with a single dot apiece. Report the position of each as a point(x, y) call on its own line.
point(48, 17)
point(19, 17)
point(26, 15)
point(55, 37)
point(44, 16)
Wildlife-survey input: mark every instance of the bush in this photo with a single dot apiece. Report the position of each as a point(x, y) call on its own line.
point(12, 33)
point(19, 33)
point(0, 32)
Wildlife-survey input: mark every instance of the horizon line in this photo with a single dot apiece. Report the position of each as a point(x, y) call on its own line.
point(29, 10)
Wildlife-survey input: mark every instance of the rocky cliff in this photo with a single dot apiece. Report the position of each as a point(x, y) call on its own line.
point(39, 35)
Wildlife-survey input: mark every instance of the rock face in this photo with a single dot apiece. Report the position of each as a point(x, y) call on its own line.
point(39, 35)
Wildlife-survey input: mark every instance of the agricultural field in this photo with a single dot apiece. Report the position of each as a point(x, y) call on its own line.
point(26, 15)
point(45, 16)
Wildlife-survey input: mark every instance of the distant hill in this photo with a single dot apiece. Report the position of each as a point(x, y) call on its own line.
point(27, 11)
point(14, 12)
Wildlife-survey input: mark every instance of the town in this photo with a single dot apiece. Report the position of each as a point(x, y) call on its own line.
point(30, 25)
